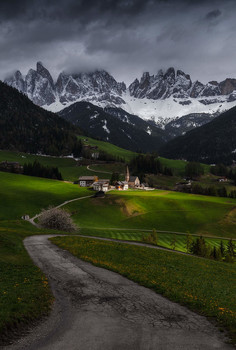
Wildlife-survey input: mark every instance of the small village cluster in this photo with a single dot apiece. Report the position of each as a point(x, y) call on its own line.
point(104, 184)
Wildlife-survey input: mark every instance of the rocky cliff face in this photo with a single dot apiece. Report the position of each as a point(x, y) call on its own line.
point(178, 85)
point(163, 97)
point(39, 86)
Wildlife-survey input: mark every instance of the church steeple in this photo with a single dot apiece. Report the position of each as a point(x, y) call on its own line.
point(127, 174)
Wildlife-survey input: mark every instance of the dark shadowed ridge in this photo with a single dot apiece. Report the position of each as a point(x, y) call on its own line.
point(214, 142)
point(28, 128)
point(116, 126)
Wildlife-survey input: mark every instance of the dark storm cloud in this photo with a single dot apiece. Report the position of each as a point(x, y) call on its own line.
point(125, 37)
point(213, 14)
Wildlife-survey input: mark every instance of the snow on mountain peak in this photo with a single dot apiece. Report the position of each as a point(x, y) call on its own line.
point(162, 97)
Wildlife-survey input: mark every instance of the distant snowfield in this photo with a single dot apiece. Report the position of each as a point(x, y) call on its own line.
point(163, 111)
point(160, 111)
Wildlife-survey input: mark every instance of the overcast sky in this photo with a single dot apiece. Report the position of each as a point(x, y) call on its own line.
point(124, 37)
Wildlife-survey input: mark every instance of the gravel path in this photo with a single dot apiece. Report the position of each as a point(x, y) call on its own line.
point(99, 309)
point(32, 220)
point(98, 171)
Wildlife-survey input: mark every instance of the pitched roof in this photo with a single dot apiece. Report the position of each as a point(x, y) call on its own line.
point(122, 183)
point(104, 183)
point(133, 178)
point(103, 180)
point(87, 178)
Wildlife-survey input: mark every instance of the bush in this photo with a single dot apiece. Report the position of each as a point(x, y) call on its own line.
point(56, 219)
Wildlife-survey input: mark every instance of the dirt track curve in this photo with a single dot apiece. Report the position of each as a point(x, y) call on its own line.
point(99, 309)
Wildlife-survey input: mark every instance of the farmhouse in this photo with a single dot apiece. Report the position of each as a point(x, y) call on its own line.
point(86, 181)
point(223, 179)
point(95, 155)
point(101, 185)
point(122, 185)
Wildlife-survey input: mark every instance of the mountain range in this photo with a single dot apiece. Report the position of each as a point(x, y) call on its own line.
point(27, 127)
point(144, 116)
point(162, 98)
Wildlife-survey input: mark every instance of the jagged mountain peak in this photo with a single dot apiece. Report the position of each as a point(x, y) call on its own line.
point(163, 96)
point(44, 72)
point(39, 86)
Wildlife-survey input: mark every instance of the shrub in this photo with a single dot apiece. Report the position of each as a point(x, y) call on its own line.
point(56, 219)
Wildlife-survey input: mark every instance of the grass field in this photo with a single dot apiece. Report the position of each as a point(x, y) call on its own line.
point(110, 168)
point(164, 239)
point(109, 148)
point(205, 286)
point(24, 294)
point(22, 195)
point(179, 165)
point(27, 295)
point(162, 210)
point(67, 166)
point(71, 171)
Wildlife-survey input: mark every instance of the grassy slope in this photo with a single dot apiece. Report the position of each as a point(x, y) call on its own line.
point(24, 292)
point(162, 210)
point(67, 166)
point(109, 148)
point(203, 285)
point(179, 165)
point(112, 167)
point(71, 172)
point(164, 239)
point(28, 195)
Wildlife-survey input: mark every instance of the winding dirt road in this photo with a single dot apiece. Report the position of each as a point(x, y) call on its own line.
point(99, 309)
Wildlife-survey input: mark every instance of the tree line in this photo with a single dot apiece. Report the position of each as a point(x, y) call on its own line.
point(201, 248)
point(224, 171)
point(198, 246)
point(148, 164)
point(39, 170)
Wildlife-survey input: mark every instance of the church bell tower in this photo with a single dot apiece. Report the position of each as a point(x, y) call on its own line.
point(127, 174)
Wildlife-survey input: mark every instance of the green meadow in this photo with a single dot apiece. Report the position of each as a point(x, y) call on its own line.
point(108, 148)
point(162, 210)
point(179, 165)
point(109, 167)
point(164, 239)
point(71, 171)
point(22, 195)
point(24, 293)
point(67, 166)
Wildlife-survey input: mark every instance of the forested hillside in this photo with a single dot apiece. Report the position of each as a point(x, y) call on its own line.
point(28, 128)
point(214, 142)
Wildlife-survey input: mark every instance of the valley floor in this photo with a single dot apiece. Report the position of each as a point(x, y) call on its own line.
point(132, 210)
